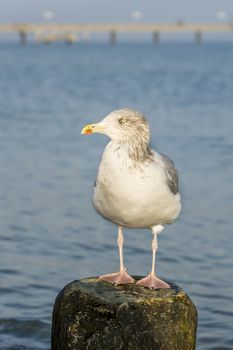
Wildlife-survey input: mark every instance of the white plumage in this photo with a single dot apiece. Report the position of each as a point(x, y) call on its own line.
point(135, 187)
point(134, 195)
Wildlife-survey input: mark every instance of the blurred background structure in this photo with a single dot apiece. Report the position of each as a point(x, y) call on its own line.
point(70, 33)
point(49, 232)
point(82, 20)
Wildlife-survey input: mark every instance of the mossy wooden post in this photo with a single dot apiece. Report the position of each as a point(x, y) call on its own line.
point(95, 315)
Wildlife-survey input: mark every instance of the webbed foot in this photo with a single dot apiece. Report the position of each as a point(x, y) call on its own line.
point(121, 277)
point(152, 282)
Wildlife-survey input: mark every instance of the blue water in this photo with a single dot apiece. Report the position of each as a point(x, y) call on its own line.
point(49, 232)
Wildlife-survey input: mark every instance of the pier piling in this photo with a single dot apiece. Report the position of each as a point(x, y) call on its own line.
point(23, 37)
point(198, 37)
point(156, 37)
point(90, 314)
point(112, 37)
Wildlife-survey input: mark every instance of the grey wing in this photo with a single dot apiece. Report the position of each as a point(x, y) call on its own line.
point(171, 174)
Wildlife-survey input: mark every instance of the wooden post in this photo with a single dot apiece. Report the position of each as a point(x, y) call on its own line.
point(96, 315)
point(156, 37)
point(112, 37)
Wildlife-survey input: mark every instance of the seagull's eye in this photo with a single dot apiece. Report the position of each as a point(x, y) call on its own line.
point(123, 120)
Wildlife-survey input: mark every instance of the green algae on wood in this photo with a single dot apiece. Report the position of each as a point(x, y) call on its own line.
point(95, 315)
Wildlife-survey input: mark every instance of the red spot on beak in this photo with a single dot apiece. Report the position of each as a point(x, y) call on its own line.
point(87, 130)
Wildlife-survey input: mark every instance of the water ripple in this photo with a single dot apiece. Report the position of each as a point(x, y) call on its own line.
point(49, 231)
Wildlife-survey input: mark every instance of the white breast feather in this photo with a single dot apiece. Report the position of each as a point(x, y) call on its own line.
point(133, 195)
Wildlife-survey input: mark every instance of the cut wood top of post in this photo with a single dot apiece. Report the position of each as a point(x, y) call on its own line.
point(128, 293)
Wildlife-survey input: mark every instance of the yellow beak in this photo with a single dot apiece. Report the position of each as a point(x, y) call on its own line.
point(91, 128)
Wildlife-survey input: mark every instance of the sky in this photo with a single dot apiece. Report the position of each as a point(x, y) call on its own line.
point(117, 10)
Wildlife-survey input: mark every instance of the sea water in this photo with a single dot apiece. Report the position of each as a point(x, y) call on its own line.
point(49, 231)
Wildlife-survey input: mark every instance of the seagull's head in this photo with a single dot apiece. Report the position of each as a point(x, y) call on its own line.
point(124, 125)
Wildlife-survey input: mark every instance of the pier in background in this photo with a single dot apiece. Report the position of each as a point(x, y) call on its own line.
point(49, 32)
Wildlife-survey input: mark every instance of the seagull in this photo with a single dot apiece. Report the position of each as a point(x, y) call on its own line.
point(136, 187)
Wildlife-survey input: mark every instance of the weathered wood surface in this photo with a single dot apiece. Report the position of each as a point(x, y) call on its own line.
point(95, 315)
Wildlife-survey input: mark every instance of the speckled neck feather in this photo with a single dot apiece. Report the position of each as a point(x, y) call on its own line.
point(137, 147)
point(139, 152)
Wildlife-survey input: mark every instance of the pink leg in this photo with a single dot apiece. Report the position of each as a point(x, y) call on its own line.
point(151, 280)
point(121, 277)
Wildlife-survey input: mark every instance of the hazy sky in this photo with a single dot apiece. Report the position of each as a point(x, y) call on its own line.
point(117, 10)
